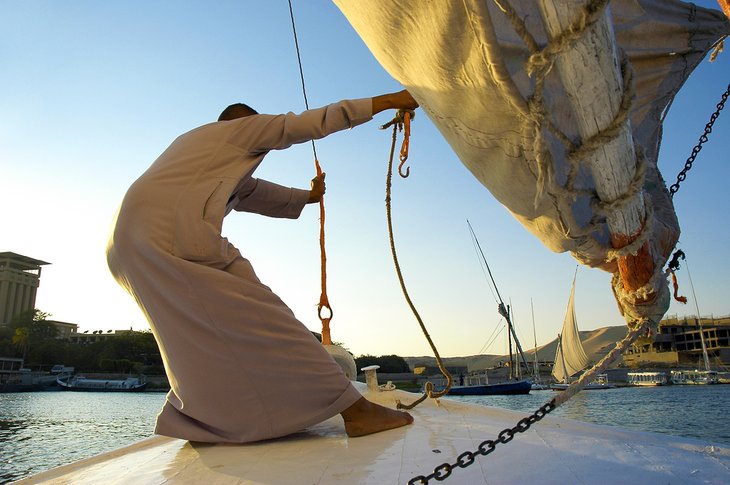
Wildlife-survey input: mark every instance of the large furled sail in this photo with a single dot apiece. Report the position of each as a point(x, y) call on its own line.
point(570, 358)
point(559, 119)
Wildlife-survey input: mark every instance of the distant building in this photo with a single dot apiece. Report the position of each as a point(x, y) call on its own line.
point(679, 342)
point(19, 279)
point(95, 336)
point(65, 329)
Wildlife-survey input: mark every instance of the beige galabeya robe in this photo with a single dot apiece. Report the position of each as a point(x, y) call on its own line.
point(241, 366)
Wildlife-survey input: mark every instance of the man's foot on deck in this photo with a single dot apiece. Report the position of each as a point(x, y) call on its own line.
point(365, 417)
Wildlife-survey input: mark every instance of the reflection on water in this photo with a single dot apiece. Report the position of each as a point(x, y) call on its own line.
point(42, 430)
point(686, 411)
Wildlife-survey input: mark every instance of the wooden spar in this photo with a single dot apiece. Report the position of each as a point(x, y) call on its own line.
point(591, 76)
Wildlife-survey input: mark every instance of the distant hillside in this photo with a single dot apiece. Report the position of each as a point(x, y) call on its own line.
point(596, 343)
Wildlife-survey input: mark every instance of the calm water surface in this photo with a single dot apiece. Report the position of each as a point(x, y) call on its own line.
point(42, 430)
point(687, 411)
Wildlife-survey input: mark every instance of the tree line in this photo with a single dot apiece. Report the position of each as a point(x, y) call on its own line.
point(33, 338)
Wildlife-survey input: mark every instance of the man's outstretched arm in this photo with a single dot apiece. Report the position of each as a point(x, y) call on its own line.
point(399, 100)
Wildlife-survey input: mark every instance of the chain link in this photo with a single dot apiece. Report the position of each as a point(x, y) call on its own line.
point(703, 139)
point(444, 470)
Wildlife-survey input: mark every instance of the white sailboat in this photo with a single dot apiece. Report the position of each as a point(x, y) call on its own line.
point(570, 357)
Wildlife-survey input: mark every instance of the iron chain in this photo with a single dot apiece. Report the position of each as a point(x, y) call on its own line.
point(703, 139)
point(444, 470)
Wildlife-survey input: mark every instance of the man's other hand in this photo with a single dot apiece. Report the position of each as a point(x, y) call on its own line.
point(318, 189)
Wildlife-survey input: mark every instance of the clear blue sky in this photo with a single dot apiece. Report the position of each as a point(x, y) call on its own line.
point(92, 92)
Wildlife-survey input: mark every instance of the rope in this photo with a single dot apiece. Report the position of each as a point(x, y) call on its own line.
point(401, 118)
point(406, 143)
point(323, 299)
point(588, 376)
point(535, 118)
point(675, 285)
point(539, 65)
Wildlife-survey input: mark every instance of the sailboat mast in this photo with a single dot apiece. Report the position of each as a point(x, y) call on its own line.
point(699, 320)
point(519, 351)
point(501, 309)
point(536, 367)
point(512, 358)
point(562, 358)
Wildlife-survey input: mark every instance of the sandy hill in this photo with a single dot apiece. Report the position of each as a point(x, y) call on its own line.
point(596, 343)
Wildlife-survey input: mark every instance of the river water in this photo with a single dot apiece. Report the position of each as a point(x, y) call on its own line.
point(42, 430)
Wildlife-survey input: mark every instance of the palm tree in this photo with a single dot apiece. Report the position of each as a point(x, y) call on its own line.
point(21, 339)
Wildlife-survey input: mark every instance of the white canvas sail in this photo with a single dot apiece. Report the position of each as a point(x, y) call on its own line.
point(573, 358)
point(469, 66)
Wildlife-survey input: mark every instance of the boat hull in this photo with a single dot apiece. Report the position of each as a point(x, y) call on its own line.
point(558, 450)
point(101, 385)
point(593, 386)
point(501, 389)
point(140, 388)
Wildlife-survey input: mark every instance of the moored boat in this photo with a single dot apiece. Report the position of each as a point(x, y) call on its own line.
point(694, 377)
point(601, 382)
point(81, 383)
point(647, 378)
point(15, 377)
point(570, 357)
point(516, 384)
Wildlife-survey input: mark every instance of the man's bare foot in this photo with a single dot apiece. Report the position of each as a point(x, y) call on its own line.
point(365, 417)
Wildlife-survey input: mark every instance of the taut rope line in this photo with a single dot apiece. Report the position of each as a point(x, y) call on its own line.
point(323, 299)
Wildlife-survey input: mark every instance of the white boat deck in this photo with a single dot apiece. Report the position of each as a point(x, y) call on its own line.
point(554, 450)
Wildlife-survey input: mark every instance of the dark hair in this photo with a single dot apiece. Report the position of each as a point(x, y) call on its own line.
point(237, 110)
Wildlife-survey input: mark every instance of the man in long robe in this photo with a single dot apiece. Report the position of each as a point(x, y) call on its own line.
point(241, 367)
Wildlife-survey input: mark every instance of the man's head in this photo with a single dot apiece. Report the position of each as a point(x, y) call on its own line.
point(238, 110)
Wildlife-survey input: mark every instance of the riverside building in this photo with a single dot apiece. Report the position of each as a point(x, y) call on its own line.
point(679, 341)
point(19, 279)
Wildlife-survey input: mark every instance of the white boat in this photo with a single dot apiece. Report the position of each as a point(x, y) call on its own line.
point(560, 450)
point(694, 377)
point(84, 384)
point(570, 357)
point(15, 377)
point(647, 378)
point(472, 73)
point(516, 384)
point(600, 382)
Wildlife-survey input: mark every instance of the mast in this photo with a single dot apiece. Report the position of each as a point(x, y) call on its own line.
point(536, 367)
point(512, 356)
point(699, 320)
point(562, 359)
point(501, 309)
point(509, 346)
point(596, 99)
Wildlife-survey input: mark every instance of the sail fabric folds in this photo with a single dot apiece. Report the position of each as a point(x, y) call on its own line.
point(466, 65)
point(570, 358)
